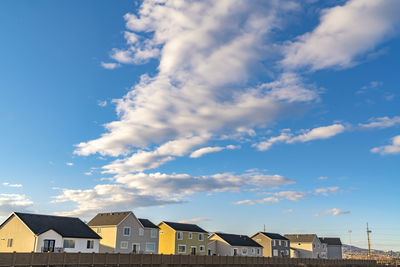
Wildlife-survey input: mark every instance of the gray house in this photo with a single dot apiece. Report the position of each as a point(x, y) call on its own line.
point(306, 246)
point(122, 232)
point(334, 247)
point(274, 245)
point(233, 245)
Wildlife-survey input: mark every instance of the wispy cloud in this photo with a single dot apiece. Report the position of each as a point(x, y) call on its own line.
point(371, 86)
point(326, 190)
point(110, 66)
point(323, 178)
point(393, 148)
point(102, 103)
point(69, 164)
point(12, 185)
point(333, 212)
point(206, 150)
point(382, 122)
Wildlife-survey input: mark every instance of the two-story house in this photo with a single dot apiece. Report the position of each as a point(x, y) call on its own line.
point(122, 232)
point(306, 246)
point(222, 244)
point(182, 239)
point(24, 232)
point(334, 247)
point(274, 245)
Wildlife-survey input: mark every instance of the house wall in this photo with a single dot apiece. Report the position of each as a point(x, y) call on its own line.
point(334, 252)
point(80, 243)
point(108, 238)
point(194, 242)
point(220, 247)
point(23, 238)
point(134, 237)
point(304, 249)
point(268, 248)
point(51, 235)
point(265, 242)
point(166, 239)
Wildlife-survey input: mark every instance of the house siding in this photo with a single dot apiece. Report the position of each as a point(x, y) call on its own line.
point(268, 248)
point(220, 247)
point(166, 239)
point(335, 252)
point(108, 238)
point(23, 238)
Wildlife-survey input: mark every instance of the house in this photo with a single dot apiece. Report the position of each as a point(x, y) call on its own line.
point(233, 245)
point(334, 247)
point(182, 239)
point(306, 246)
point(122, 232)
point(24, 232)
point(274, 245)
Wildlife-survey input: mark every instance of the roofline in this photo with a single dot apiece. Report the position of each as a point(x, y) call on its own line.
point(205, 232)
point(21, 221)
point(235, 245)
point(286, 239)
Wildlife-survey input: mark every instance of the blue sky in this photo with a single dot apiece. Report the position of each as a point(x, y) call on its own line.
point(223, 113)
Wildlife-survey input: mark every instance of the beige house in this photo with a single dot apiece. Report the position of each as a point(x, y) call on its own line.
point(274, 245)
point(222, 244)
point(24, 232)
point(306, 246)
point(182, 239)
point(122, 232)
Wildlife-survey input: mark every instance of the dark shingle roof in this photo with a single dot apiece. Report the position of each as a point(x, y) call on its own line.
point(65, 226)
point(238, 240)
point(147, 223)
point(274, 236)
point(185, 227)
point(109, 218)
point(333, 241)
point(301, 237)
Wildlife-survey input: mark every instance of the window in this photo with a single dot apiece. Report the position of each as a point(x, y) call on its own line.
point(258, 251)
point(127, 231)
point(153, 233)
point(141, 231)
point(244, 251)
point(69, 243)
point(273, 242)
point(124, 245)
point(135, 248)
point(99, 230)
point(201, 237)
point(190, 235)
point(285, 243)
point(313, 245)
point(181, 249)
point(252, 251)
point(202, 248)
point(150, 247)
point(90, 244)
point(9, 242)
point(235, 252)
point(280, 244)
point(209, 253)
point(275, 253)
point(287, 252)
point(179, 235)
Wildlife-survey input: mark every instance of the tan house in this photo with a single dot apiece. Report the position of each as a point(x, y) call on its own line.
point(306, 246)
point(122, 232)
point(223, 244)
point(182, 239)
point(274, 245)
point(24, 232)
point(333, 247)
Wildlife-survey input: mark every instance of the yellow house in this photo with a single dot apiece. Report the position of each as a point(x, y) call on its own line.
point(182, 239)
point(24, 232)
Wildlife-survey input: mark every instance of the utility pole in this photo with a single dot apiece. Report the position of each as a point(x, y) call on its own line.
point(264, 227)
point(369, 243)
point(350, 242)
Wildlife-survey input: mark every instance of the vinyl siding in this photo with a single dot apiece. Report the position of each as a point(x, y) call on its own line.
point(23, 238)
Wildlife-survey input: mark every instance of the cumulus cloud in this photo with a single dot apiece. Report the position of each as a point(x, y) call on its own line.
point(14, 202)
point(110, 66)
point(326, 190)
point(393, 148)
point(333, 212)
point(12, 185)
point(344, 34)
point(287, 137)
point(141, 189)
point(382, 122)
point(206, 150)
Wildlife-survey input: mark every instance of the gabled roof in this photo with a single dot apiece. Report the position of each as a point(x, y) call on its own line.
point(147, 223)
point(333, 241)
point(65, 226)
point(272, 236)
point(238, 240)
point(184, 227)
point(308, 238)
point(109, 218)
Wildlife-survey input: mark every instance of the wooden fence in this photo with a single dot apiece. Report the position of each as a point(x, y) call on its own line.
point(155, 260)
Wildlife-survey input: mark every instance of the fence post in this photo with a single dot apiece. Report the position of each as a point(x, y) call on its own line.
point(48, 258)
point(105, 260)
point(118, 258)
point(14, 258)
point(32, 258)
point(79, 258)
point(92, 258)
point(64, 255)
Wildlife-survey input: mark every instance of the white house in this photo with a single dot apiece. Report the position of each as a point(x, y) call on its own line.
point(233, 245)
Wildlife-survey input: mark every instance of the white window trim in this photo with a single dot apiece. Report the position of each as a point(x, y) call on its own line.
point(155, 233)
point(177, 235)
point(275, 254)
point(190, 235)
point(245, 253)
point(201, 239)
point(273, 242)
point(98, 230)
point(123, 247)
point(141, 231)
point(200, 248)
point(182, 246)
point(91, 242)
point(123, 231)
point(154, 244)
point(237, 252)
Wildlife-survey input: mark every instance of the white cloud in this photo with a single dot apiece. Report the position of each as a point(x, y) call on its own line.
point(394, 148)
point(141, 190)
point(334, 212)
point(323, 178)
point(371, 85)
point(288, 211)
point(194, 220)
point(110, 66)
point(102, 103)
point(12, 185)
point(382, 122)
point(344, 33)
point(13, 202)
point(69, 164)
point(206, 150)
point(290, 195)
point(259, 201)
point(287, 137)
point(326, 190)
